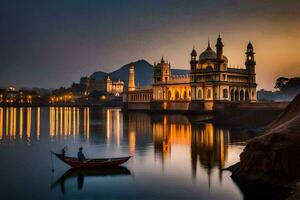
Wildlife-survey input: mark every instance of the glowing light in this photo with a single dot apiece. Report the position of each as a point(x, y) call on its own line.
point(38, 115)
point(28, 130)
point(21, 123)
point(51, 120)
point(1, 123)
point(132, 142)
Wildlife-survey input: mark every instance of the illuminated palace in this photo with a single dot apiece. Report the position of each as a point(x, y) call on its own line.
point(210, 85)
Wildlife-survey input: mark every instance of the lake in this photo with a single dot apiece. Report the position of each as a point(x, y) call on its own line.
point(173, 157)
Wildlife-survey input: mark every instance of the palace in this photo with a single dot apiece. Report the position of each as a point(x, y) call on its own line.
point(210, 84)
point(105, 85)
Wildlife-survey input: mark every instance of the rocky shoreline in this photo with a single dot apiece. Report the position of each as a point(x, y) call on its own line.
point(273, 159)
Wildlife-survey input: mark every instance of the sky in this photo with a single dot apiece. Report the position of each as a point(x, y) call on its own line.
point(53, 43)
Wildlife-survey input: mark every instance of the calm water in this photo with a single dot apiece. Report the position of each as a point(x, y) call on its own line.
point(173, 158)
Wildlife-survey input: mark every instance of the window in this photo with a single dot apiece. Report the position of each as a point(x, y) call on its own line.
point(225, 93)
point(199, 94)
point(208, 94)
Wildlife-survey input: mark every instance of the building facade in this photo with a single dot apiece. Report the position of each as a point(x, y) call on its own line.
point(114, 87)
point(210, 82)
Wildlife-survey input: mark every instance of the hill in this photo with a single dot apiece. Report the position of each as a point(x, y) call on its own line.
point(143, 73)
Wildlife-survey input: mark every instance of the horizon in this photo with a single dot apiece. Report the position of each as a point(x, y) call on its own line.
point(53, 44)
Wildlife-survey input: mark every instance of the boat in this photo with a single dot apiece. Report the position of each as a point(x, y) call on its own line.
point(90, 163)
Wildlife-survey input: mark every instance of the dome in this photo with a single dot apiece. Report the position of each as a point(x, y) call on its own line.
point(208, 54)
point(225, 59)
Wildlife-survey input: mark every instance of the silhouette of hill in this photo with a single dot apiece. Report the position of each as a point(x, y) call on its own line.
point(143, 73)
point(99, 75)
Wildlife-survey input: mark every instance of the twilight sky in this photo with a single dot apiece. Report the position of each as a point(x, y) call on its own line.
point(53, 43)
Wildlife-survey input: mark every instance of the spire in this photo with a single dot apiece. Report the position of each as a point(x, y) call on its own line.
point(249, 46)
point(208, 45)
point(194, 52)
point(162, 59)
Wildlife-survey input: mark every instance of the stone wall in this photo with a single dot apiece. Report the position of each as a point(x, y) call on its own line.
point(199, 106)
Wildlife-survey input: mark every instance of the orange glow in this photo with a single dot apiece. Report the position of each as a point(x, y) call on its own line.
point(132, 142)
point(1, 123)
point(21, 123)
point(38, 115)
point(28, 127)
point(51, 120)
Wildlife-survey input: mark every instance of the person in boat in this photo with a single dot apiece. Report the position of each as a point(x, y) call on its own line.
point(80, 155)
point(63, 153)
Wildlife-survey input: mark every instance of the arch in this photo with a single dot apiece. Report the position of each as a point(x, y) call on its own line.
point(177, 95)
point(242, 96)
point(232, 95)
point(208, 94)
point(199, 95)
point(225, 93)
point(247, 95)
point(184, 95)
point(236, 95)
point(169, 95)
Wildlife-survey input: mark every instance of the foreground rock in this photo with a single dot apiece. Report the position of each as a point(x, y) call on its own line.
point(274, 157)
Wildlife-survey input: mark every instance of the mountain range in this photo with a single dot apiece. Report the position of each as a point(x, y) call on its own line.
point(143, 73)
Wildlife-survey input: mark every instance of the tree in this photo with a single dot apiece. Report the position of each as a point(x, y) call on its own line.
point(281, 82)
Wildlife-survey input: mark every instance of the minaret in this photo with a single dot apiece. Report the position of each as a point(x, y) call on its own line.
point(131, 82)
point(219, 47)
point(193, 61)
point(250, 61)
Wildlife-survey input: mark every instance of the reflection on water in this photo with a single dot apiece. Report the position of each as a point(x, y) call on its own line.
point(14, 122)
point(114, 125)
point(81, 174)
point(65, 121)
point(167, 148)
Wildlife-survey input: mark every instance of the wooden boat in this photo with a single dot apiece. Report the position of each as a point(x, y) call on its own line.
point(92, 162)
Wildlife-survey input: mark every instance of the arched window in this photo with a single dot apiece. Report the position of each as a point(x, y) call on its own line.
point(232, 95)
point(184, 95)
point(225, 93)
point(247, 95)
point(236, 95)
point(169, 95)
point(200, 94)
point(242, 95)
point(208, 94)
point(177, 96)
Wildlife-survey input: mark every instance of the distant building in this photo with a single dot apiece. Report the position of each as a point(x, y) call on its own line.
point(107, 85)
point(114, 87)
point(210, 82)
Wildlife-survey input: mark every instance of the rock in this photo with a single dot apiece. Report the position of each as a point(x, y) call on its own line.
point(275, 156)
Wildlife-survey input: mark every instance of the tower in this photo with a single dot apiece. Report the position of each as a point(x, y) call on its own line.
point(193, 61)
point(162, 71)
point(250, 61)
point(219, 47)
point(108, 85)
point(131, 82)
